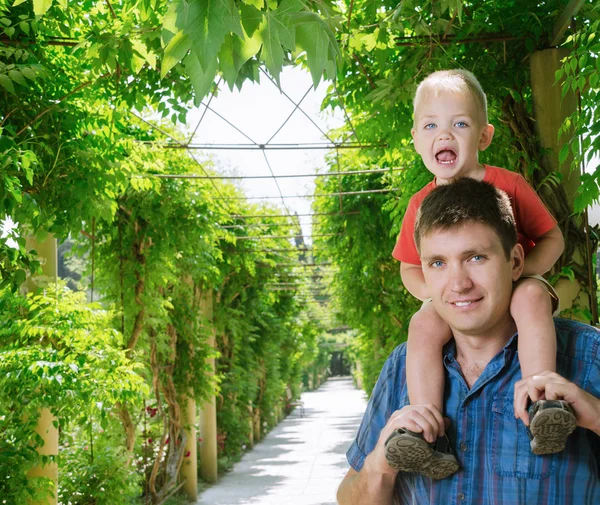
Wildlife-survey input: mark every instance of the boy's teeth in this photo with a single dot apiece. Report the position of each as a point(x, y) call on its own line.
point(462, 304)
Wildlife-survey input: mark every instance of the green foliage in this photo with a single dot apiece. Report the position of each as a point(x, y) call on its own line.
point(98, 475)
point(59, 353)
point(387, 48)
point(367, 285)
point(580, 74)
point(236, 37)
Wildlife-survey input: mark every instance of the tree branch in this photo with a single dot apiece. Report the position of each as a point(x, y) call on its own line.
point(364, 71)
point(60, 100)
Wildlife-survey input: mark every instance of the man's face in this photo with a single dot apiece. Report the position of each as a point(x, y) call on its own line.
point(449, 132)
point(469, 278)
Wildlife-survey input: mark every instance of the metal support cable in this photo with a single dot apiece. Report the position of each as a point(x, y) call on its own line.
point(341, 101)
point(204, 113)
point(259, 225)
point(276, 183)
point(299, 108)
point(264, 237)
point(281, 216)
point(283, 176)
point(365, 192)
point(307, 146)
point(232, 125)
point(296, 107)
point(183, 146)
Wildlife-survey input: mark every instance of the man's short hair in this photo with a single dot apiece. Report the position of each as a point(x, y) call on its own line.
point(464, 201)
point(452, 81)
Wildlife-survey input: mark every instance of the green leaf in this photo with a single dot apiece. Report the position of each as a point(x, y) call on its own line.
point(201, 80)
point(19, 277)
point(40, 7)
point(175, 52)
point(259, 4)
point(17, 77)
point(234, 53)
point(272, 53)
point(7, 84)
point(18, 2)
point(315, 37)
point(24, 25)
point(10, 31)
point(278, 31)
point(251, 19)
point(29, 73)
point(209, 21)
point(564, 153)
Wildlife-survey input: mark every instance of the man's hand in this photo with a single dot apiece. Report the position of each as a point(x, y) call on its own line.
point(551, 386)
point(374, 484)
point(425, 419)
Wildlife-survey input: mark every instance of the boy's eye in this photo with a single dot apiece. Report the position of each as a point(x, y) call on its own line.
point(461, 124)
point(436, 264)
point(429, 126)
point(477, 258)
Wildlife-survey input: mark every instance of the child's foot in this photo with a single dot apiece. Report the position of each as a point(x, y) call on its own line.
point(550, 424)
point(409, 452)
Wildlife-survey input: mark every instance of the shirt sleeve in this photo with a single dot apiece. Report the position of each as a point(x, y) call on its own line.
point(531, 214)
point(379, 409)
point(406, 249)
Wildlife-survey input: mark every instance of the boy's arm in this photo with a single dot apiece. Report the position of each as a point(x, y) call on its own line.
point(546, 252)
point(414, 281)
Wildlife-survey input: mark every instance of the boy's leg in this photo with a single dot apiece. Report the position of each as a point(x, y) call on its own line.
point(427, 335)
point(408, 451)
point(531, 307)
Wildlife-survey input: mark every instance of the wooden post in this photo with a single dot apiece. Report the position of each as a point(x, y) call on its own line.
point(189, 467)
point(550, 110)
point(250, 425)
point(47, 255)
point(358, 375)
point(256, 425)
point(188, 472)
point(208, 411)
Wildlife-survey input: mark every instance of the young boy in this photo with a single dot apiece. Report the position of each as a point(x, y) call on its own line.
point(450, 128)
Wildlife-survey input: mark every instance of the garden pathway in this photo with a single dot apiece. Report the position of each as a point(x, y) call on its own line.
point(303, 459)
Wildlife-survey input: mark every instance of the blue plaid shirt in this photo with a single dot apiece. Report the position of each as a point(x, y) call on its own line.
point(497, 466)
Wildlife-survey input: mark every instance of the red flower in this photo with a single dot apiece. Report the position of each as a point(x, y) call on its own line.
point(199, 440)
point(187, 454)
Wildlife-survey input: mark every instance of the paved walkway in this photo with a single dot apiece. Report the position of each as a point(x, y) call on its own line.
point(303, 459)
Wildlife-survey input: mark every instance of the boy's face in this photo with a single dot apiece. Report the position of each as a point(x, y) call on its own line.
point(449, 132)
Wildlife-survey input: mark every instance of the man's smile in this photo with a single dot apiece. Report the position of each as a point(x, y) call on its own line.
point(465, 303)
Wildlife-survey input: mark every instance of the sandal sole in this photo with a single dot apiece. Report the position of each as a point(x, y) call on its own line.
point(550, 429)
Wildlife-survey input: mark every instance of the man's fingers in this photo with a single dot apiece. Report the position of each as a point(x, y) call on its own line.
point(426, 421)
point(520, 403)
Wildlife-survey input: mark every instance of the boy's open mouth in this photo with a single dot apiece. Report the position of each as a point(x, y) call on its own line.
point(446, 156)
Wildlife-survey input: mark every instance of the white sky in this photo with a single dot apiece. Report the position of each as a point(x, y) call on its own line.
point(259, 110)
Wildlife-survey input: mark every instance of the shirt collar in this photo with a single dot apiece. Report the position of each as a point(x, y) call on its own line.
point(449, 351)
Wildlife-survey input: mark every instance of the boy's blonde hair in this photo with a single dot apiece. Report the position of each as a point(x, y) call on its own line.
point(452, 81)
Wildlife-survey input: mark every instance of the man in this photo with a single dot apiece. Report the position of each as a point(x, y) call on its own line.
point(468, 246)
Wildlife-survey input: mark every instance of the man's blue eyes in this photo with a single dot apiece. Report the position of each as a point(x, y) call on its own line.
point(439, 264)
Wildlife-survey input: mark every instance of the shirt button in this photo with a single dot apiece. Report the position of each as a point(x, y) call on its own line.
point(463, 447)
point(461, 496)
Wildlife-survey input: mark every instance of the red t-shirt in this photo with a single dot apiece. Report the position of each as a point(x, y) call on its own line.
point(531, 216)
